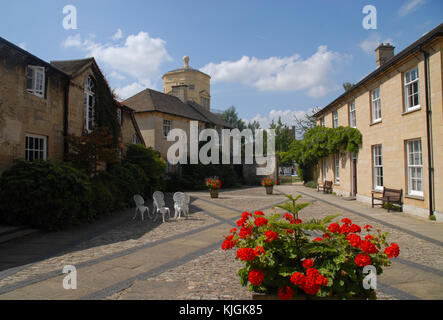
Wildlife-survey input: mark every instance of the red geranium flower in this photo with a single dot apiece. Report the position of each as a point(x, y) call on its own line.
point(228, 244)
point(355, 228)
point(318, 239)
point(256, 277)
point(345, 229)
point(259, 250)
point(259, 213)
point(368, 226)
point(298, 279)
point(271, 236)
point(308, 263)
point(259, 222)
point(346, 221)
point(369, 237)
point(362, 260)
point(334, 227)
point(354, 240)
point(245, 232)
point(368, 247)
point(246, 254)
point(393, 250)
point(285, 293)
point(233, 230)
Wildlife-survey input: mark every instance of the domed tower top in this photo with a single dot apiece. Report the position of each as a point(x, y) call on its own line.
point(188, 84)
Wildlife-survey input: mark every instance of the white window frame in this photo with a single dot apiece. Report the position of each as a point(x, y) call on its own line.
point(167, 126)
point(377, 166)
point(134, 139)
point(335, 119)
point(410, 83)
point(352, 115)
point(32, 149)
point(322, 122)
point(38, 81)
point(376, 105)
point(89, 109)
point(337, 168)
point(414, 164)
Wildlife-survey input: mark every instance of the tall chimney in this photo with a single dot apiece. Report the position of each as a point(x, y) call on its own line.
point(383, 53)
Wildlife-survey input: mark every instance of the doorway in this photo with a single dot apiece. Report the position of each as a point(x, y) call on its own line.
point(354, 174)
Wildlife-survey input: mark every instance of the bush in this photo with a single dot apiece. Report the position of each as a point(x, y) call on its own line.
point(44, 194)
point(311, 184)
point(149, 161)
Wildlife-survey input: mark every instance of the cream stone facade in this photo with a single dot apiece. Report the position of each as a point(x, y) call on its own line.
point(41, 103)
point(399, 138)
point(188, 84)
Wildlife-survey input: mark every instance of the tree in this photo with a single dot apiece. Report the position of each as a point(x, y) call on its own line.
point(283, 135)
point(347, 86)
point(230, 115)
point(88, 151)
point(305, 123)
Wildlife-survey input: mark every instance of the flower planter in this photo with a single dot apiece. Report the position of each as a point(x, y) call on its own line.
point(264, 296)
point(214, 193)
point(269, 189)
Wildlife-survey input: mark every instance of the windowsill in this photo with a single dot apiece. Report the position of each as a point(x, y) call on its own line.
point(376, 191)
point(376, 122)
point(36, 95)
point(411, 110)
point(337, 184)
point(410, 196)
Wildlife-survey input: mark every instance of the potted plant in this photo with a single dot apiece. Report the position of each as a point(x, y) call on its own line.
point(268, 183)
point(283, 260)
point(213, 184)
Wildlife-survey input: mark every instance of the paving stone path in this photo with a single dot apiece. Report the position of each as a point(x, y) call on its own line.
point(181, 259)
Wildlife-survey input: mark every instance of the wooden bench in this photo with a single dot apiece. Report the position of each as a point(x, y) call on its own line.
point(326, 186)
point(390, 196)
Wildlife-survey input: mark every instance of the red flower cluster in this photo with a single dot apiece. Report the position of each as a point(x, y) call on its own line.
point(393, 250)
point(213, 183)
point(290, 218)
point(246, 254)
point(368, 247)
point(259, 221)
point(271, 236)
point(245, 232)
point(362, 260)
point(228, 243)
point(256, 277)
point(259, 250)
point(354, 240)
point(311, 282)
point(285, 293)
point(268, 182)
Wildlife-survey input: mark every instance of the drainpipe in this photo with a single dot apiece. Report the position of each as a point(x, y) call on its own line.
point(65, 120)
point(429, 133)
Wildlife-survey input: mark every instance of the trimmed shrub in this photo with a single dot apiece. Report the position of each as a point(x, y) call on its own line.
point(44, 194)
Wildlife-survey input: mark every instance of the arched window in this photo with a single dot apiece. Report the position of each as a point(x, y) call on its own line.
point(89, 103)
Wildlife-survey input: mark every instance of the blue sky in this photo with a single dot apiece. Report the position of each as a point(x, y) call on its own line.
point(267, 58)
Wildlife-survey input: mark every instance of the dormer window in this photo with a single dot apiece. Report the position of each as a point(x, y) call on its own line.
point(35, 83)
point(89, 104)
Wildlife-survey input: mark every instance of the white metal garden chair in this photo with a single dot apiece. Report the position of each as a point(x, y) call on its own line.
point(179, 204)
point(140, 206)
point(159, 205)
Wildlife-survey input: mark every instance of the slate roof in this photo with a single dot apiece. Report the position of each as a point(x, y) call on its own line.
point(151, 100)
point(72, 67)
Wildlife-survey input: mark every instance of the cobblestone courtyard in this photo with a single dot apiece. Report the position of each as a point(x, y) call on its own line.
point(121, 258)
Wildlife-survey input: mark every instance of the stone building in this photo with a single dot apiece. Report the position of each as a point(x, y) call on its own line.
point(398, 109)
point(41, 103)
point(157, 113)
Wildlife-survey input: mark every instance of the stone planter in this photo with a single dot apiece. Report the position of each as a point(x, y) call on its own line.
point(269, 189)
point(214, 193)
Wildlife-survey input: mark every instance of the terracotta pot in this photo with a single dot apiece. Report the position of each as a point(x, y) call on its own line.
point(269, 189)
point(214, 193)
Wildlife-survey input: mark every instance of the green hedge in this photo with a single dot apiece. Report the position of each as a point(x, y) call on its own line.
point(44, 194)
point(53, 195)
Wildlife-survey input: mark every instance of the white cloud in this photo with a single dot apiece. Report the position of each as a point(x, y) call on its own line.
point(72, 42)
point(139, 57)
point(128, 91)
point(22, 45)
point(287, 117)
point(117, 76)
point(280, 74)
point(372, 42)
point(410, 6)
point(118, 35)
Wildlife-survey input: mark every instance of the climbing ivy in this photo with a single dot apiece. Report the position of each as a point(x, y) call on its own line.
point(320, 142)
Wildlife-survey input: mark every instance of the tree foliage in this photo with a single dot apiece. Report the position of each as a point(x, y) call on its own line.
point(231, 116)
point(305, 123)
